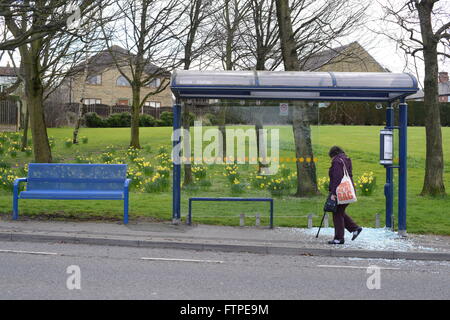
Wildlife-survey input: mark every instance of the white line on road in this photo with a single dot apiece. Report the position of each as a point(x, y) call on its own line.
point(182, 260)
point(29, 252)
point(352, 267)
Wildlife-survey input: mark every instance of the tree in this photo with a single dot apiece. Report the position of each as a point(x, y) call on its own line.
point(148, 36)
point(261, 52)
point(196, 41)
point(10, 9)
point(43, 35)
point(260, 37)
point(305, 28)
point(82, 108)
point(425, 35)
point(228, 47)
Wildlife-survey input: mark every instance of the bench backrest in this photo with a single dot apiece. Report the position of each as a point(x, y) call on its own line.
point(46, 176)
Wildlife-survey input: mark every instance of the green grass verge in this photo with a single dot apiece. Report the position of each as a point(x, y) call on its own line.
point(425, 215)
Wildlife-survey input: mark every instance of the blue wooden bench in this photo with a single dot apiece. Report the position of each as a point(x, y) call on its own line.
point(74, 182)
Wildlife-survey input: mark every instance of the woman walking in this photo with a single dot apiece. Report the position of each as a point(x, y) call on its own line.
point(340, 219)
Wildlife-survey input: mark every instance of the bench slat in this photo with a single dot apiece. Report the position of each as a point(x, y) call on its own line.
point(73, 195)
point(76, 180)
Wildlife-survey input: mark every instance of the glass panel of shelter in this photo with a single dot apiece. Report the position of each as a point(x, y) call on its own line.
point(269, 123)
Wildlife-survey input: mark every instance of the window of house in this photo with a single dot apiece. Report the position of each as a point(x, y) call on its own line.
point(122, 82)
point(122, 102)
point(155, 83)
point(96, 80)
point(153, 104)
point(89, 101)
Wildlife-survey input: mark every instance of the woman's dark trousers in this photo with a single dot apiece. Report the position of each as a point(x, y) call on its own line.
point(342, 221)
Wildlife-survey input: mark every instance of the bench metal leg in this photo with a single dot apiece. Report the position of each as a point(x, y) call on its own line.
point(125, 209)
point(189, 217)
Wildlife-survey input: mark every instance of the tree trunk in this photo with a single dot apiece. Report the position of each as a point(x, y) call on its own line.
point(82, 108)
point(258, 116)
point(41, 147)
point(306, 171)
point(34, 95)
point(222, 129)
point(434, 165)
point(135, 111)
point(81, 112)
point(25, 130)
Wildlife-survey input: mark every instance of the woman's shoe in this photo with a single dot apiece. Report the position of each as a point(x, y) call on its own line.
point(336, 241)
point(356, 233)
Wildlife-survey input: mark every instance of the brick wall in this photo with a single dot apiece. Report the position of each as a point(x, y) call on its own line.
point(110, 93)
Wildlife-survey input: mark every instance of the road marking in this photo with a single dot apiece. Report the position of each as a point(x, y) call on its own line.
point(352, 267)
point(182, 260)
point(29, 252)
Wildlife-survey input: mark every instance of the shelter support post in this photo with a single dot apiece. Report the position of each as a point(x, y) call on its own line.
point(389, 187)
point(402, 186)
point(176, 173)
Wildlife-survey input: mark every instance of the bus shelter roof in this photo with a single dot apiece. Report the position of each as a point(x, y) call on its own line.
point(293, 85)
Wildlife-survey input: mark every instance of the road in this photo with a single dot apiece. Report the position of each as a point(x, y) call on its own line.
point(40, 271)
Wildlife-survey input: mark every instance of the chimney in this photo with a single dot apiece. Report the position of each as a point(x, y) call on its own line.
point(443, 77)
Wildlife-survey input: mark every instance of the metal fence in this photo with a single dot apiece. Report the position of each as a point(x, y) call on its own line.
point(105, 111)
point(9, 115)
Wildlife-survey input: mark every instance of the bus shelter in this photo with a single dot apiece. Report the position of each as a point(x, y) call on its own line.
point(387, 88)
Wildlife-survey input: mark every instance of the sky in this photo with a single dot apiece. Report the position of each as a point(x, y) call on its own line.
point(385, 51)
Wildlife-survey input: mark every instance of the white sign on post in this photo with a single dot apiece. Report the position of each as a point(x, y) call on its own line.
point(284, 109)
point(388, 147)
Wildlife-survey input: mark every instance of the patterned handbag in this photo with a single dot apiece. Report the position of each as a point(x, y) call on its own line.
point(330, 205)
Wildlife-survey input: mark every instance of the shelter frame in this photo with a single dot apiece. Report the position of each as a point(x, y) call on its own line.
point(303, 86)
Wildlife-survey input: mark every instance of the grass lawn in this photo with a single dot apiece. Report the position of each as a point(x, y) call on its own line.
point(425, 215)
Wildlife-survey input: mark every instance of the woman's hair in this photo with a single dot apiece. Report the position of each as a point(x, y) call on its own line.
point(334, 151)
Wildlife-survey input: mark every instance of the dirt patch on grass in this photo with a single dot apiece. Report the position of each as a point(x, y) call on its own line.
point(81, 217)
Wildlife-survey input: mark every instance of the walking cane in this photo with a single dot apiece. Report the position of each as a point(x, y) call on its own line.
point(324, 213)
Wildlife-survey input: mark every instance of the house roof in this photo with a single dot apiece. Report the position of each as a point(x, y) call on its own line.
point(333, 55)
point(103, 60)
point(7, 72)
point(443, 90)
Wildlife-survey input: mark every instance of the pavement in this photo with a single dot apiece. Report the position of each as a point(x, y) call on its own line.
point(372, 243)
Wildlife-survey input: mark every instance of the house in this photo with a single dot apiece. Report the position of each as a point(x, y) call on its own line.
point(443, 89)
point(7, 77)
point(9, 105)
point(105, 85)
point(347, 58)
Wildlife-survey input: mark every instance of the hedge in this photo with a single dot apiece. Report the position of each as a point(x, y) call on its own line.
point(343, 113)
point(92, 120)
